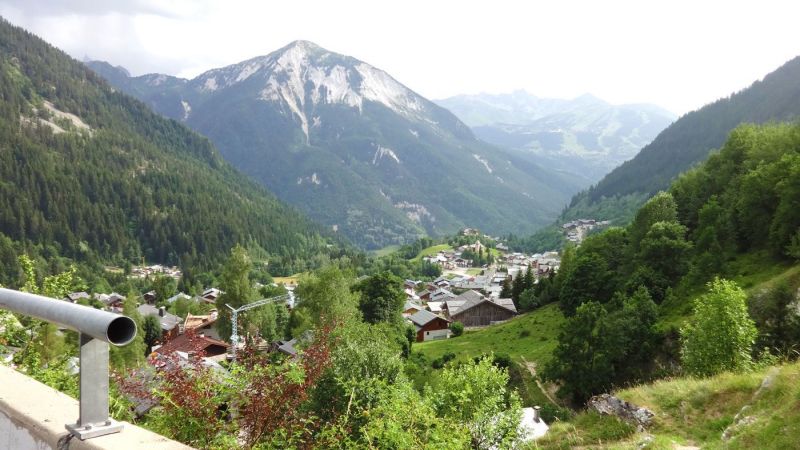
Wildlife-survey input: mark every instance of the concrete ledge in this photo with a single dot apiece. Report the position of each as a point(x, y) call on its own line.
point(32, 416)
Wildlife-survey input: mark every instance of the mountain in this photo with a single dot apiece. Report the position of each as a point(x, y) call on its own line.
point(688, 142)
point(355, 149)
point(584, 136)
point(89, 173)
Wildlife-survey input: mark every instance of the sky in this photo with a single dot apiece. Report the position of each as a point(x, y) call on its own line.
point(676, 54)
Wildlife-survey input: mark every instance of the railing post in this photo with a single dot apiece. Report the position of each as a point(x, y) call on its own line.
point(93, 420)
point(97, 329)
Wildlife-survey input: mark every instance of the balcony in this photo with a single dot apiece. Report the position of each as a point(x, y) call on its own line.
point(32, 416)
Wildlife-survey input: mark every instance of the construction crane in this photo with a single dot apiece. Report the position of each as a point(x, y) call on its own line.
point(235, 317)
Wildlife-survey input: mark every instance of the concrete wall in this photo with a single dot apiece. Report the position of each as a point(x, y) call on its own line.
point(436, 334)
point(32, 416)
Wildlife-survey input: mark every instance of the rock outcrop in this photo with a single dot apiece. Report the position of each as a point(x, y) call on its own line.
point(607, 404)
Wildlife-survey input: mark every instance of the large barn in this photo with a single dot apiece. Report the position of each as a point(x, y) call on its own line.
point(474, 310)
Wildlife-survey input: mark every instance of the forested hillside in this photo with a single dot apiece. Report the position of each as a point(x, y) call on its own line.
point(90, 173)
point(627, 291)
point(688, 141)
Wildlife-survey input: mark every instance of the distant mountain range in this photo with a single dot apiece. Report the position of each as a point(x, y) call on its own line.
point(586, 137)
point(688, 142)
point(355, 149)
point(92, 174)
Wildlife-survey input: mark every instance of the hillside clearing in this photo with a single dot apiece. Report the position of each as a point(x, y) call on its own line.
point(760, 409)
point(432, 250)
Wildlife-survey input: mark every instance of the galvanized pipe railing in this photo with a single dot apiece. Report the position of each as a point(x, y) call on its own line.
point(97, 329)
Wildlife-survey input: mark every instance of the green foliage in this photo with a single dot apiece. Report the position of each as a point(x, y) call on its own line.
point(164, 287)
point(598, 348)
point(403, 419)
point(324, 296)
point(579, 361)
point(132, 354)
point(237, 290)
point(793, 249)
point(382, 298)
point(721, 334)
point(440, 362)
point(665, 251)
point(546, 239)
point(476, 394)
point(151, 330)
point(365, 356)
point(660, 208)
point(457, 328)
point(775, 316)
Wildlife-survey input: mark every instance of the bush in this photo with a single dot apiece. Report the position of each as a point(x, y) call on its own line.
point(721, 334)
point(551, 413)
point(438, 363)
point(457, 328)
point(502, 360)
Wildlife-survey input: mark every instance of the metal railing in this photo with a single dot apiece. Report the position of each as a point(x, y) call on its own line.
point(235, 317)
point(97, 330)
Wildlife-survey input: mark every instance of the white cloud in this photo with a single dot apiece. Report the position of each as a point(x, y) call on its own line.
point(678, 54)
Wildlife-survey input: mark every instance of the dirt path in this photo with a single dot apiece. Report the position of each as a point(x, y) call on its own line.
point(531, 366)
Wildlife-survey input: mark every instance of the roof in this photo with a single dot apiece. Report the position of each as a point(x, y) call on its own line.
point(194, 322)
point(464, 301)
point(180, 295)
point(453, 306)
point(286, 347)
point(168, 321)
point(411, 305)
point(75, 296)
point(506, 303)
point(190, 343)
point(441, 292)
point(212, 292)
point(435, 307)
point(423, 317)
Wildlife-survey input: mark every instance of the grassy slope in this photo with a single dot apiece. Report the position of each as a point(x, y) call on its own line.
point(385, 251)
point(752, 271)
point(432, 251)
point(543, 326)
point(696, 412)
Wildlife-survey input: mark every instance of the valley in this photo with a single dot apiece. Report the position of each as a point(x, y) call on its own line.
point(305, 252)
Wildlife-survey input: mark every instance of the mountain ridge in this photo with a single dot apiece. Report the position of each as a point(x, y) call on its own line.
point(355, 149)
point(585, 136)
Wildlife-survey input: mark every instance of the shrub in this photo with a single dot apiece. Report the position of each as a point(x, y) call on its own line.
point(438, 363)
point(721, 334)
point(457, 328)
point(502, 360)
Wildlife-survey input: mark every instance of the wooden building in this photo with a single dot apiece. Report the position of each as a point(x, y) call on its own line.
point(474, 310)
point(429, 326)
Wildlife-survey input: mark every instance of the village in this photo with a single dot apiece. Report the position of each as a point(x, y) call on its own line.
point(473, 300)
point(471, 296)
point(577, 230)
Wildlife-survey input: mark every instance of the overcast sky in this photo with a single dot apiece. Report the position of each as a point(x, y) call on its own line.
point(677, 54)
